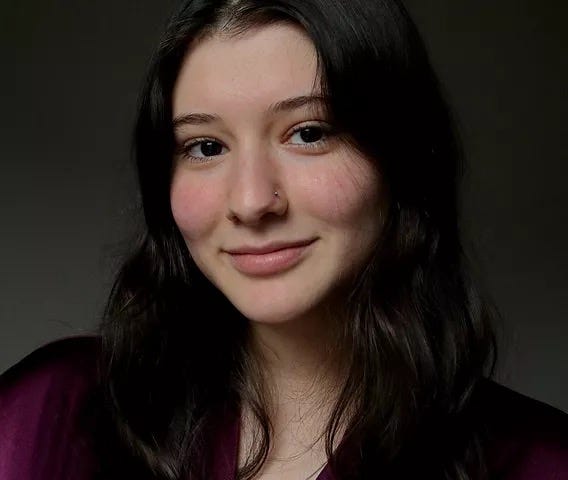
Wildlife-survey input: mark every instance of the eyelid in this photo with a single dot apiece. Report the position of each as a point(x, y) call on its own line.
point(195, 140)
point(183, 147)
point(325, 126)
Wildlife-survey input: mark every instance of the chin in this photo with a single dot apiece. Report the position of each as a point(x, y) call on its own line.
point(278, 307)
point(272, 313)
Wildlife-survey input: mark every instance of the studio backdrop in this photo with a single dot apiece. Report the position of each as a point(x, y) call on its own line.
point(71, 70)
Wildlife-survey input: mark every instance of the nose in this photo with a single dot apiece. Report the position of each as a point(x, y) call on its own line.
point(255, 190)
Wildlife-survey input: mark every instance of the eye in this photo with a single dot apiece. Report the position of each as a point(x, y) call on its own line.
point(200, 150)
point(313, 136)
point(307, 134)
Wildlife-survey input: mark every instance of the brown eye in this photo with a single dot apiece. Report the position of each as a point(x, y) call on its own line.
point(203, 149)
point(207, 148)
point(309, 134)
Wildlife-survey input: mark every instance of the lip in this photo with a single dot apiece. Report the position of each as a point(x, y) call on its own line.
point(268, 248)
point(268, 259)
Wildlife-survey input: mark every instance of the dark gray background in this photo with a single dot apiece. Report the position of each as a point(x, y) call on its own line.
point(70, 76)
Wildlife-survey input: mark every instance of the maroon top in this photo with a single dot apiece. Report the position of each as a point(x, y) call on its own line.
point(43, 438)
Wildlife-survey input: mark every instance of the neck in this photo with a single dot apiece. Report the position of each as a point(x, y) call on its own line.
point(299, 360)
point(303, 375)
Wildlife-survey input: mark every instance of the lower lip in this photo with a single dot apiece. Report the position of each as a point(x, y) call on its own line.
point(269, 263)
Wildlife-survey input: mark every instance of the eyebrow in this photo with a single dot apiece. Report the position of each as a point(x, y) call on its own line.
point(286, 105)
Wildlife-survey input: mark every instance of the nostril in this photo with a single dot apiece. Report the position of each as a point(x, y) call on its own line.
point(252, 205)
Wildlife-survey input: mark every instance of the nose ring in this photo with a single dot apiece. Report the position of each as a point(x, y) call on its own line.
point(276, 194)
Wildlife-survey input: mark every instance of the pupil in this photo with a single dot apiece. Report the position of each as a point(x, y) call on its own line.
point(210, 149)
point(311, 134)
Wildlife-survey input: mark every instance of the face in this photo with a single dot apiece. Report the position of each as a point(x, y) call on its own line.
point(275, 209)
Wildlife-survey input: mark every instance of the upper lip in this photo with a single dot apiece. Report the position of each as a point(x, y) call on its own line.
point(267, 248)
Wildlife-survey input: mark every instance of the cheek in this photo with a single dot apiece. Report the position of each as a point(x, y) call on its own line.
point(195, 207)
point(346, 195)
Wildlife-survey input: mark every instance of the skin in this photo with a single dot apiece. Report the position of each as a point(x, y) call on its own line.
point(328, 193)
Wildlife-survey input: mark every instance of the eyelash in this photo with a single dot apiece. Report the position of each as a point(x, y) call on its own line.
point(186, 148)
point(326, 130)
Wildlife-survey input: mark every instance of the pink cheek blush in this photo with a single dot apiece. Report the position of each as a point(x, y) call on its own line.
point(196, 208)
point(338, 195)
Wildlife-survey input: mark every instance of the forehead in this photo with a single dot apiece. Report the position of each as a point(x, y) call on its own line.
point(254, 69)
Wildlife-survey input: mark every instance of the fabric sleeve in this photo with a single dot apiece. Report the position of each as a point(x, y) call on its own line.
point(528, 439)
point(42, 428)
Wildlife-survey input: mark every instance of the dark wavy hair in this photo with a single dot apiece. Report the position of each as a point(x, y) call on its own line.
point(419, 334)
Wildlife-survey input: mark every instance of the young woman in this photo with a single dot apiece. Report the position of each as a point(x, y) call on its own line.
point(300, 305)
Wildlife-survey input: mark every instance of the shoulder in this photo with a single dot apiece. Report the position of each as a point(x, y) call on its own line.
point(61, 354)
point(66, 368)
point(526, 439)
point(42, 399)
